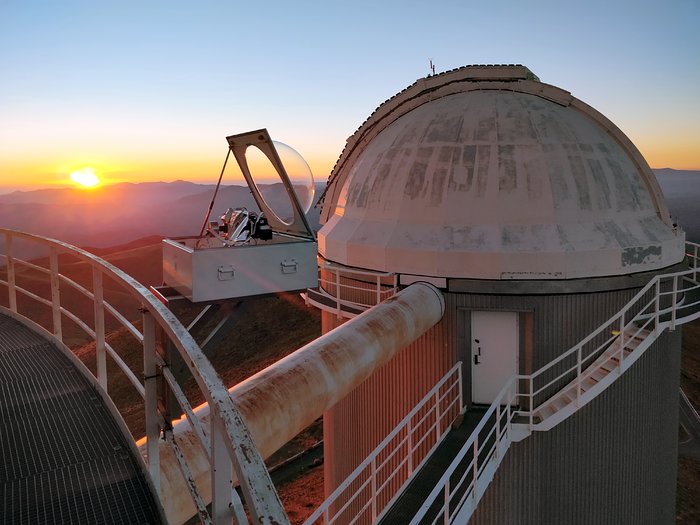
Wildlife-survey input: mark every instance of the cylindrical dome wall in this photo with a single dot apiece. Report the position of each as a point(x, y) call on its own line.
point(539, 220)
point(615, 461)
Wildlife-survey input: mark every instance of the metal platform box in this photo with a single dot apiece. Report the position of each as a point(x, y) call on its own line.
point(248, 253)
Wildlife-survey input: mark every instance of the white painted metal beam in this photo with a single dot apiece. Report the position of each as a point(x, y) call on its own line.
point(280, 401)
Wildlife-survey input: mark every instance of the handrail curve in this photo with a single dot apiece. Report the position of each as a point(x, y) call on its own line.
point(226, 422)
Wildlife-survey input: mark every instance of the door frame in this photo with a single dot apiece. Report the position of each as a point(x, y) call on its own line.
point(464, 337)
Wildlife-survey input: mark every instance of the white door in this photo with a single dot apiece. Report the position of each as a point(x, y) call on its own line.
point(494, 346)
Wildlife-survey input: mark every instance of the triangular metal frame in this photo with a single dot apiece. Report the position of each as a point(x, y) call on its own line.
point(238, 144)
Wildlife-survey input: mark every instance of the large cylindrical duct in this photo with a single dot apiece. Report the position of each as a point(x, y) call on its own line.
point(280, 401)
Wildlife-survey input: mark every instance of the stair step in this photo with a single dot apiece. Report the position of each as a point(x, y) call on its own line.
point(598, 374)
point(607, 362)
point(570, 395)
point(609, 365)
point(587, 383)
point(559, 402)
point(637, 334)
point(546, 411)
point(631, 344)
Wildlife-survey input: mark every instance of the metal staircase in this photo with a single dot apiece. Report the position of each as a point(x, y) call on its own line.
point(592, 381)
point(539, 401)
point(559, 389)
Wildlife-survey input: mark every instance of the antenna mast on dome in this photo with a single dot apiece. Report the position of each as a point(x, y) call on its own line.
point(432, 66)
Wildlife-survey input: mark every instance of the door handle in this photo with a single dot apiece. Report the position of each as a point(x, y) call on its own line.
point(476, 359)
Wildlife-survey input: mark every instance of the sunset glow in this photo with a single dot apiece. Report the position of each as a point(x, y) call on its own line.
point(85, 177)
point(162, 107)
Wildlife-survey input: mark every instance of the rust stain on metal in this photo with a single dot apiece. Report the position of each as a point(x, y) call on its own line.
point(244, 450)
point(278, 402)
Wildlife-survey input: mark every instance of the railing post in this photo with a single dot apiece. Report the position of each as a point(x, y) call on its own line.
point(437, 414)
point(446, 511)
point(459, 388)
point(221, 470)
point(379, 290)
point(657, 301)
point(578, 376)
point(99, 308)
point(55, 293)
point(498, 427)
point(622, 341)
point(531, 408)
point(151, 398)
point(475, 467)
point(374, 488)
point(409, 429)
point(674, 300)
point(509, 416)
point(11, 283)
point(337, 293)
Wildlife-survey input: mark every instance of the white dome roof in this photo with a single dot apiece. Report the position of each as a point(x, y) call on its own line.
point(504, 178)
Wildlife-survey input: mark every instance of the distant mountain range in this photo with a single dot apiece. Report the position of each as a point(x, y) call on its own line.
point(682, 191)
point(120, 213)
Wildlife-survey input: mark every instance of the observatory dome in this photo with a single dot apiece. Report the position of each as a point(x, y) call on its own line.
point(484, 172)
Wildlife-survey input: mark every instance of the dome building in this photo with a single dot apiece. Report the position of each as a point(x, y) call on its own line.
point(538, 220)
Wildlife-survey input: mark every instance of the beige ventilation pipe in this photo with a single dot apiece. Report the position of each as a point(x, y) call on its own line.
point(280, 401)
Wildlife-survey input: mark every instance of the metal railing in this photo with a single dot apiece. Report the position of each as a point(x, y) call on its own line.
point(379, 480)
point(225, 439)
point(666, 301)
point(360, 289)
point(463, 483)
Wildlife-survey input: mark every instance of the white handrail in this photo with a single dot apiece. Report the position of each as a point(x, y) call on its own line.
point(233, 446)
point(452, 381)
point(619, 315)
point(630, 328)
point(505, 398)
point(376, 289)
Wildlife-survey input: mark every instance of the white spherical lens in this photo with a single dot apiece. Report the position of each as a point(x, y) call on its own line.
point(270, 185)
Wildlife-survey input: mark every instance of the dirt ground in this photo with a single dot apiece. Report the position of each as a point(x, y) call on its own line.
point(303, 495)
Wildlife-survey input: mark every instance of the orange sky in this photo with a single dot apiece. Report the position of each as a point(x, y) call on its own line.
point(151, 94)
point(673, 152)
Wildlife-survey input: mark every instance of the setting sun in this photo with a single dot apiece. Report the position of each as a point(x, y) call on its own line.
point(85, 177)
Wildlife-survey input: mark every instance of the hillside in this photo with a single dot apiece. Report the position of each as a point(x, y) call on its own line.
point(681, 189)
point(121, 213)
